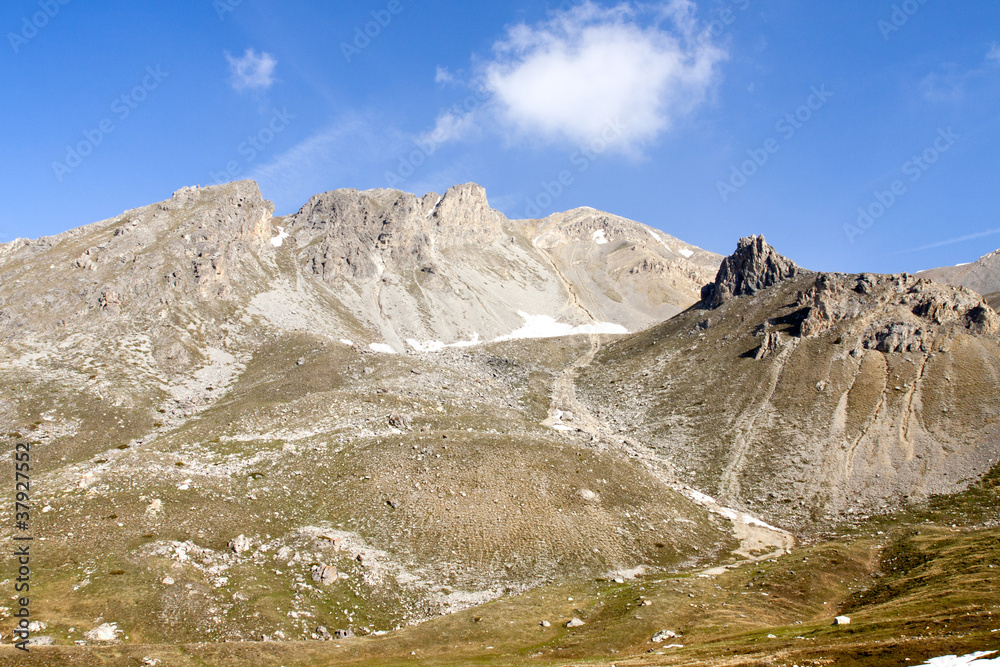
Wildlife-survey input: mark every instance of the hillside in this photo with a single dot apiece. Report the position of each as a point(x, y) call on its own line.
point(812, 398)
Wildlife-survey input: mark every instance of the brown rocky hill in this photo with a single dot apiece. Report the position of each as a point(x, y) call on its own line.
point(812, 397)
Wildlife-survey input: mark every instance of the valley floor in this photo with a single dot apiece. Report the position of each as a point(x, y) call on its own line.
point(923, 589)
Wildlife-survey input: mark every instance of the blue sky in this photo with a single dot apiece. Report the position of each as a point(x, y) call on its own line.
point(856, 135)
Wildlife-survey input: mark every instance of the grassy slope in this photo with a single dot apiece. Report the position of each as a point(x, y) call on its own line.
point(916, 585)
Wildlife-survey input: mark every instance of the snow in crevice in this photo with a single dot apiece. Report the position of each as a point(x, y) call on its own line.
point(535, 326)
point(280, 238)
point(600, 238)
point(731, 514)
point(436, 204)
point(684, 252)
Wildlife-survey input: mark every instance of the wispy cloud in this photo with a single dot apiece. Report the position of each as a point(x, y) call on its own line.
point(953, 241)
point(449, 127)
point(252, 71)
point(564, 79)
point(994, 55)
point(443, 75)
point(950, 82)
point(330, 157)
point(947, 85)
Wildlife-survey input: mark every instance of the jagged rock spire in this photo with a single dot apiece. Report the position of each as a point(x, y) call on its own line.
point(753, 267)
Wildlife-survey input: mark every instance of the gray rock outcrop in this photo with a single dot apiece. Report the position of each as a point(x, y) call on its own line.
point(753, 267)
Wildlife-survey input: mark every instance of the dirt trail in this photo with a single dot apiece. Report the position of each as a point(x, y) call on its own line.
point(566, 412)
point(758, 540)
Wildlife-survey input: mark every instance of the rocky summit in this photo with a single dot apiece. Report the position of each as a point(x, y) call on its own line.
point(392, 428)
point(754, 266)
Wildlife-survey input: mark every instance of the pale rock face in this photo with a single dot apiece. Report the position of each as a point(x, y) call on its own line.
point(384, 267)
point(433, 271)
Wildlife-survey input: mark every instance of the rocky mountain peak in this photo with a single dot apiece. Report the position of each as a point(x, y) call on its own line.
point(753, 267)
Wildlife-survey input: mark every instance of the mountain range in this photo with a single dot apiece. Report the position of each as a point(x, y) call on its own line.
point(413, 419)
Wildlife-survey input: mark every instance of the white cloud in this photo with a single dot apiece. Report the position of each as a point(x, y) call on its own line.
point(947, 85)
point(443, 75)
point(253, 70)
point(450, 126)
point(588, 68)
point(954, 240)
point(994, 54)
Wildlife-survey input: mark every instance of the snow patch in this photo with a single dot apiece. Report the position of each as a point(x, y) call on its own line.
point(684, 252)
point(280, 238)
point(731, 514)
point(970, 659)
point(599, 237)
point(658, 239)
point(382, 348)
point(543, 326)
point(437, 346)
point(349, 343)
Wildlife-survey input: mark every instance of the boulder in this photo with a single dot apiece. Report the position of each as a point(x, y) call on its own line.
point(664, 634)
point(240, 544)
point(324, 574)
point(107, 632)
